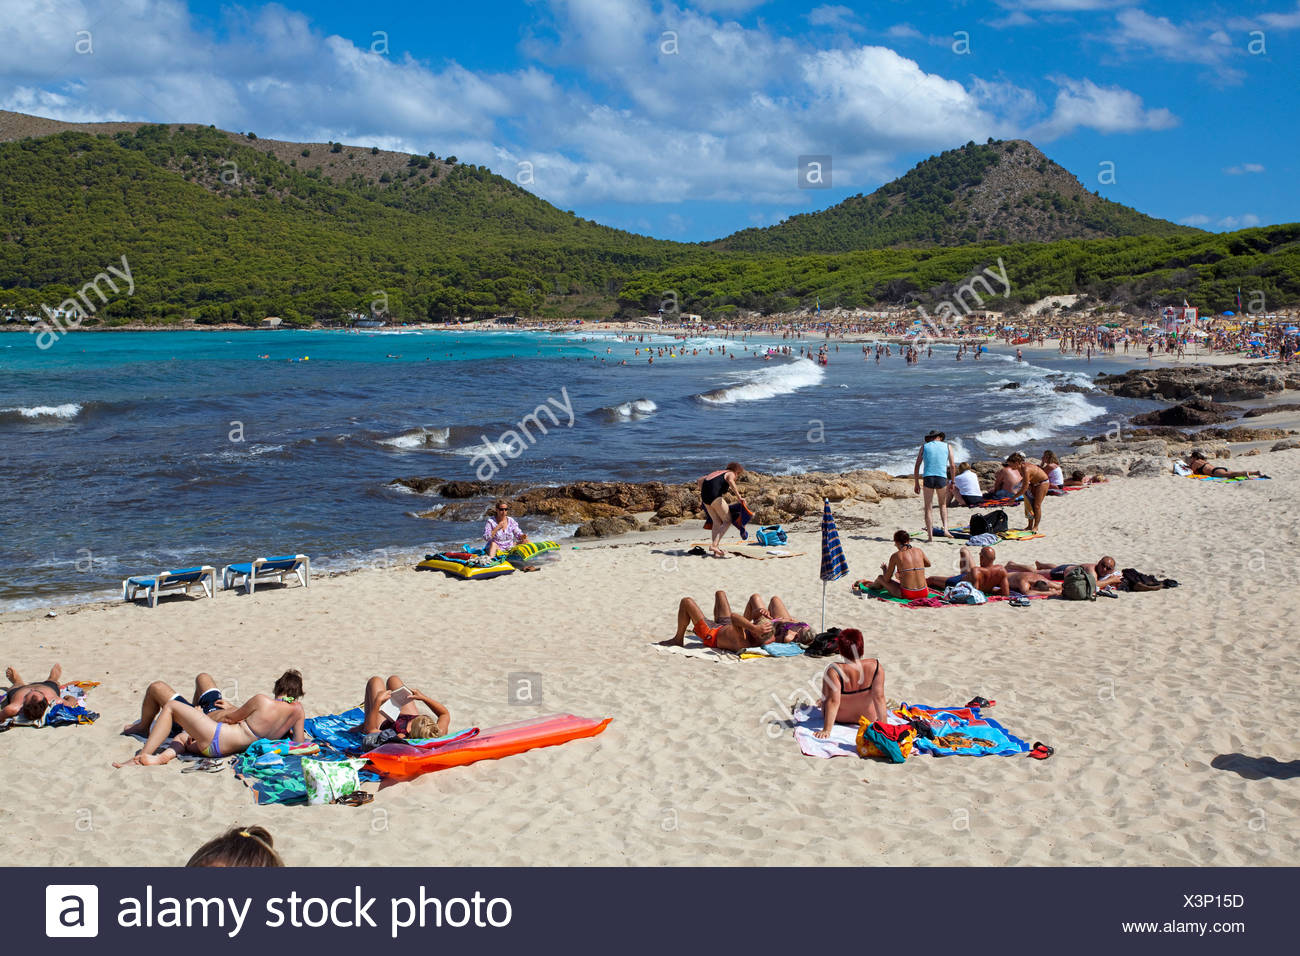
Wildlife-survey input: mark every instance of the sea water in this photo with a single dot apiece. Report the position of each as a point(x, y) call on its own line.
point(131, 452)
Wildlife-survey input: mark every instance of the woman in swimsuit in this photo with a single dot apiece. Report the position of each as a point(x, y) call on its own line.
point(1035, 489)
point(853, 689)
point(726, 631)
point(785, 629)
point(1201, 466)
point(230, 732)
point(713, 489)
point(908, 564)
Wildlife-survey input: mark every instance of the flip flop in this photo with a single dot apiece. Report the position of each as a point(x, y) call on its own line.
point(1041, 751)
point(980, 702)
point(1019, 602)
point(206, 765)
point(357, 798)
point(1107, 591)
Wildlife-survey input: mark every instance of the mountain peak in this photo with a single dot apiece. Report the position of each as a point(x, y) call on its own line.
point(999, 191)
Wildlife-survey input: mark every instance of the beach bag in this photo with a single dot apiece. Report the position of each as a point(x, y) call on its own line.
point(824, 644)
point(327, 780)
point(1079, 584)
point(772, 535)
point(978, 525)
point(963, 592)
point(995, 522)
point(892, 742)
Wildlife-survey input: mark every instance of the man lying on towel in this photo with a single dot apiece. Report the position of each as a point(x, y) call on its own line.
point(760, 624)
point(1104, 570)
point(985, 574)
point(230, 732)
point(30, 700)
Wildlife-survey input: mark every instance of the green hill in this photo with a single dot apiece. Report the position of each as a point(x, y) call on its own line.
point(1004, 191)
point(218, 228)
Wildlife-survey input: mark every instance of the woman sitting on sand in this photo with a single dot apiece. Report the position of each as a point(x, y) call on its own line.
point(229, 732)
point(502, 532)
point(907, 564)
point(852, 689)
point(1052, 465)
point(713, 489)
point(965, 487)
point(1200, 465)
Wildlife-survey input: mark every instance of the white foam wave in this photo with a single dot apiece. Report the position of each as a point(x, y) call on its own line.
point(630, 411)
point(68, 410)
point(767, 382)
point(419, 438)
point(488, 448)
point(1053, 412)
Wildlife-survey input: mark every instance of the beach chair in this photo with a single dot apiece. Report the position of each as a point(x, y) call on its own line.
point(186, 578)
point(264, 569)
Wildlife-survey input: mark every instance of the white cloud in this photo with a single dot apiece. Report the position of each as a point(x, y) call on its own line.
point(722, 118)
point(1244, 221)
point(1244, 168)
point(1061, 5)
point(837, 17)
point(1196, 219)
point(1140, 33)
point(1106, 109)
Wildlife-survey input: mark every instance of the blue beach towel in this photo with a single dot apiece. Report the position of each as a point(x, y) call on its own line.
point(969, 722)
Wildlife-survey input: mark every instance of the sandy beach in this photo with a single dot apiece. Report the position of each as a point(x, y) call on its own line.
point(1164, 708)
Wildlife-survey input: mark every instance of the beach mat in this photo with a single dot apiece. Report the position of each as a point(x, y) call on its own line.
point(1020, 535)
point(1220, 478)
point(988, 738)
point(753, 554)
point(880, 594)
point(694, 647)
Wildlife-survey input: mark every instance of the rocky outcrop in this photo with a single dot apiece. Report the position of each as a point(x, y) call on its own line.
point(1197, 411)
point(1270, 409)
point(1220, 383)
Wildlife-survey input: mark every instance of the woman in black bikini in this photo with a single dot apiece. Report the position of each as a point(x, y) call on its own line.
point(1201, 466)
point(853, 689)
point(713, 489)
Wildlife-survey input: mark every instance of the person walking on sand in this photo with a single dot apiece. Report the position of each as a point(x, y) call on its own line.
point(713, 489)
point(934, 468)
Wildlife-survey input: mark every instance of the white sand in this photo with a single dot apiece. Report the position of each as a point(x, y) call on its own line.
point(1141, 697)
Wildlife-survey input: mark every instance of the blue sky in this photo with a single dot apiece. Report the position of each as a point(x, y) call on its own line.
point(686, 120)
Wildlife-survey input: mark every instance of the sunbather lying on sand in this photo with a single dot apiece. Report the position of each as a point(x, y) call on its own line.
point(785, 629)
point(728, 631)
point(854, 688)
point(1104, 570)
point(30, 700)
point(1031, 582)
point(1200, 465)
point(206, 697)
point(230, 731)
point(409, 721)
point(986, 574)
point(904, 575)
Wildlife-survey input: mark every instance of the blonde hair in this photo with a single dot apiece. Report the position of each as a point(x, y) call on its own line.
point(422, 728)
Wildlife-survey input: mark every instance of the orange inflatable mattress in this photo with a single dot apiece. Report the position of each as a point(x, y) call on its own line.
point(401, 761)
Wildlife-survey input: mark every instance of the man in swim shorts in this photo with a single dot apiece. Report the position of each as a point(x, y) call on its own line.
point(1104, 570)
point(1031, 582)
point(726, 631)
point(985, 573)
point(30, 700)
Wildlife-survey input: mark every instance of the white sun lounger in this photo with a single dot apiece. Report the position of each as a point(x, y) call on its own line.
point(184, 579)
point(265, 569)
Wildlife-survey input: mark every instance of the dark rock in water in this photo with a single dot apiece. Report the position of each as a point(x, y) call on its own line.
point(1198, 411)
point(1132, 434)
point(1071, 387)
point(1268, 410)
point(1011, 385)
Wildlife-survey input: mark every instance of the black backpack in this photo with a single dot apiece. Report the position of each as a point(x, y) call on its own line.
point(824, 644)
point(995, 522)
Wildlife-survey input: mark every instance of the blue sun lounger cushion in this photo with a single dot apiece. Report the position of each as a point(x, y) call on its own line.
point(266, 569)
point(186, 578)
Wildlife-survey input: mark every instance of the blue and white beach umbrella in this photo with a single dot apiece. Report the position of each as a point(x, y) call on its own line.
point(834, 566)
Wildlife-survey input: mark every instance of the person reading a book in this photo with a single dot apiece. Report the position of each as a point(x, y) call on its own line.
point(392, 706)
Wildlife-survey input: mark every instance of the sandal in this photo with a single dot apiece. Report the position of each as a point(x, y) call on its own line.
point(1019, 602)
point(1041, 751)
point(357, 798)
point(206, 765)
point(1108, 591)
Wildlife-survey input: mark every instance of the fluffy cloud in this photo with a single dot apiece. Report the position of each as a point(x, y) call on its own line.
point(1139, 33)
point(621, 100)
point(1243, 169)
